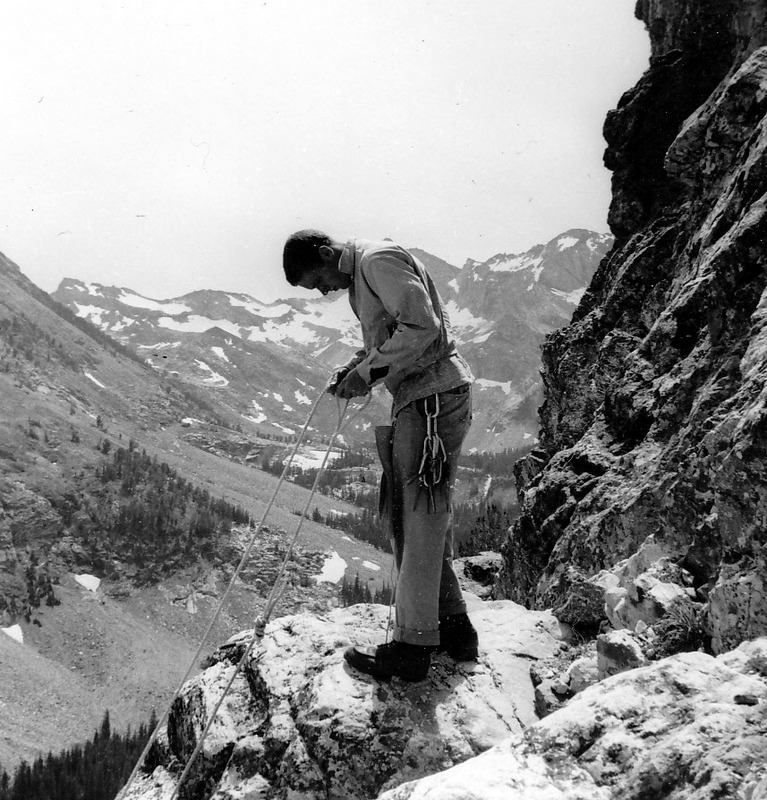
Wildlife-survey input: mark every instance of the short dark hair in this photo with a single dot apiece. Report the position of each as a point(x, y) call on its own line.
point(301, 253)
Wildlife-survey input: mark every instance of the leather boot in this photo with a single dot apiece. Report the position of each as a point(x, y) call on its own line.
point(458, 637)
point(410, 662)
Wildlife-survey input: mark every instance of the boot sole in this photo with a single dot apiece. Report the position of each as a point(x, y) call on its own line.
point(464, 654)
point(368, 666)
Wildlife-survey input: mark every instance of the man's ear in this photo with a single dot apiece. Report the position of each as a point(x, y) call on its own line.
point(326, 254)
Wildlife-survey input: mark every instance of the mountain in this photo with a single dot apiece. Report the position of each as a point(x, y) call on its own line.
point(266, 362)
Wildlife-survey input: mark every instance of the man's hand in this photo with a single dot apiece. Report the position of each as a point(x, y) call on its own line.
point(353, 385)
point(335, 379)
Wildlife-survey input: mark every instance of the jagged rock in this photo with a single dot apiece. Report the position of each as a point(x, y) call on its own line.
point(671, 731)
point(654, 420)
point(645, 590)
point(477, 573)
point(301, 723)
point(25, 516)
point(618, 651)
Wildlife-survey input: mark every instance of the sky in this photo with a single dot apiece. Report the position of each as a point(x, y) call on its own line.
point(169, 146)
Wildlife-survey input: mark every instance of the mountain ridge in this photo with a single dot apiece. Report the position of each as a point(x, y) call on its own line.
point(522, 297)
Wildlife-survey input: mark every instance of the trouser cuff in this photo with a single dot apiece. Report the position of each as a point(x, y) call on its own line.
point(456, 607)
point(410, 636)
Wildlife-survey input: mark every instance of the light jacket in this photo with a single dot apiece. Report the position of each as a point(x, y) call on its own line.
point(408, 342)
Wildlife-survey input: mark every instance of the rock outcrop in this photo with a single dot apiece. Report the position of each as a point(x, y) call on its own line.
point(654, 424)
point(300, 723)
point(691, 726)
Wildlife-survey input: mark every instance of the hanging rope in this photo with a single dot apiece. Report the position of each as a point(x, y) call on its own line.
point(278, 588)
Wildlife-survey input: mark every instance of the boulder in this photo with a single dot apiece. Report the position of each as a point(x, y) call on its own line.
point(477, 573)
point(618, 651)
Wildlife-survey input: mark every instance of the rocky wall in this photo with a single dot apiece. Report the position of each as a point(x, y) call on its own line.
point(654, 424)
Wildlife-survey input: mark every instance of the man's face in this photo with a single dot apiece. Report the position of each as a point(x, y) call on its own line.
point(325, 279)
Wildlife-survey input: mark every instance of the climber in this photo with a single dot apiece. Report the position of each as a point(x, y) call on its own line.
point(409, 346)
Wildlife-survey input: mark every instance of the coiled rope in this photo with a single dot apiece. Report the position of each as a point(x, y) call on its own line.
point(278, 587)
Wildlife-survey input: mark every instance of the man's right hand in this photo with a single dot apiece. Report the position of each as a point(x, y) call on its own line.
point(335, 379)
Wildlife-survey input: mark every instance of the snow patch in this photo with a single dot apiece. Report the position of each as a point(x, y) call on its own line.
point(123, 323)
point(194, 323)
point(566, 241)
point(91, 313)
point(514, 263)
point(15, 633)
point(89, 582)
point(215, 379)
point(371, 565)
point(596, 241)
point(312, 459)
point(159, 346)
point(259, 309)
point(302, 398)
point(332, 570)
point(219, 351)
point(573, 297)
point(505, 386)
point(97, 382)
point(463, 318)
point(137, 301)
point(260, 416)
point(283, 428)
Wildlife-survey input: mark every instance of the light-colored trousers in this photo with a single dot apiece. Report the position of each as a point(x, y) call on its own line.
point(421, 530)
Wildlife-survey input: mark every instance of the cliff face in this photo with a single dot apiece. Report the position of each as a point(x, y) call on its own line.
point(654, 424)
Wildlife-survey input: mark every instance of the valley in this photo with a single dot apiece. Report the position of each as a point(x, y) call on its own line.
point(141, 441)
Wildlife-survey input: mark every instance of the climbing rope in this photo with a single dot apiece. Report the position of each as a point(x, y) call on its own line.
point(278, 587)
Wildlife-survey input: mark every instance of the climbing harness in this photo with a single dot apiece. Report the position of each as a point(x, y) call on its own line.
point(433, 458)
point(278, 587)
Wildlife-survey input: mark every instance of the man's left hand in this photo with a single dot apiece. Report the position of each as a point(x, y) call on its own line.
point(353, 385)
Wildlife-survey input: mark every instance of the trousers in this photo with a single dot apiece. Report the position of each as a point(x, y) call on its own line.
point(419, 518)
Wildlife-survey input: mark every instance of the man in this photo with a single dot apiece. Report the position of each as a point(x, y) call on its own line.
point(409, 346)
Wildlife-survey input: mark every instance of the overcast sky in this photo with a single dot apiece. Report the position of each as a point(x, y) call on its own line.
point(168, 146)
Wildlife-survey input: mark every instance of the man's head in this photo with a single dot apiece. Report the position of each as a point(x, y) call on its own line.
point(310, 260)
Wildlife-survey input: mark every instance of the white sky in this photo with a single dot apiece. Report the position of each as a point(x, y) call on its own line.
point(169, 146)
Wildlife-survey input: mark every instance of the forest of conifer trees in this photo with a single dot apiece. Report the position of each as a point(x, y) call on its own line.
point(144, 513)
point(96, 770)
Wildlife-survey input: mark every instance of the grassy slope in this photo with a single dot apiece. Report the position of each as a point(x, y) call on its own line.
point(90, 654)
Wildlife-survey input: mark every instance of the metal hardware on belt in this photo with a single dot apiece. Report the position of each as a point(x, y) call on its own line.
point(433, 458)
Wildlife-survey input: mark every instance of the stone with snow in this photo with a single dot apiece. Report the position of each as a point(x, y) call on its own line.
point(301, 723)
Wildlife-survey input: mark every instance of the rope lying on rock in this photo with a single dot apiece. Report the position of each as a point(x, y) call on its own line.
point(278, 587)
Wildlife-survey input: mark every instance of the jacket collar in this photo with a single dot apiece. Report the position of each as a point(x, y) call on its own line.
point(348, 259)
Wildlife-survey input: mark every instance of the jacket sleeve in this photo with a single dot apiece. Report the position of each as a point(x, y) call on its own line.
point(405, 297)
